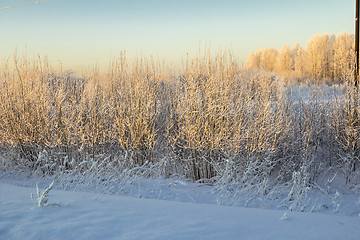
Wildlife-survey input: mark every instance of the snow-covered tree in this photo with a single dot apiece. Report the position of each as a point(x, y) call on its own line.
point(268, 59)
point(253, 61)
point(300, 63)
point(319, 51)
point(343, 55)
point(284, 61)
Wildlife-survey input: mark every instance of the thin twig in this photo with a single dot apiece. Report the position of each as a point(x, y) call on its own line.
point(26, 4)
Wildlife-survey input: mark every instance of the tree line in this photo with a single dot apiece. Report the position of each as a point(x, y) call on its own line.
point(325, 58)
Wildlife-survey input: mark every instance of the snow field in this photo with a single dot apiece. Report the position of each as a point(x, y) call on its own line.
point(85, 215)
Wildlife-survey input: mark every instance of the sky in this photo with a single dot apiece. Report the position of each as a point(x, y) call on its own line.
point(89, 32)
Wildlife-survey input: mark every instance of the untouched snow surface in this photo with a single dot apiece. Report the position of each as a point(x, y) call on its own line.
point(85, 215)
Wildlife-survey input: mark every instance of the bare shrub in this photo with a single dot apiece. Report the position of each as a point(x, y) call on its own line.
point(216, 122)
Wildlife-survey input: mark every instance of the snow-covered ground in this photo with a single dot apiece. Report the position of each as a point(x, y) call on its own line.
point(86, 215)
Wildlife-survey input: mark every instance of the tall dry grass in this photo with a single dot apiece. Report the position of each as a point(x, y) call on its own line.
point(194, 123)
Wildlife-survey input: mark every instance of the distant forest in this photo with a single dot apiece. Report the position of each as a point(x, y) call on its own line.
point(326, 58)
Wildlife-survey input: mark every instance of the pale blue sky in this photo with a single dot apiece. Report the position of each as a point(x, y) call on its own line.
point(83, 32)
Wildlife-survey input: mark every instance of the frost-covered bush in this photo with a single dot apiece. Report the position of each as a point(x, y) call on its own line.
point(247, 132)
point(42, 200)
